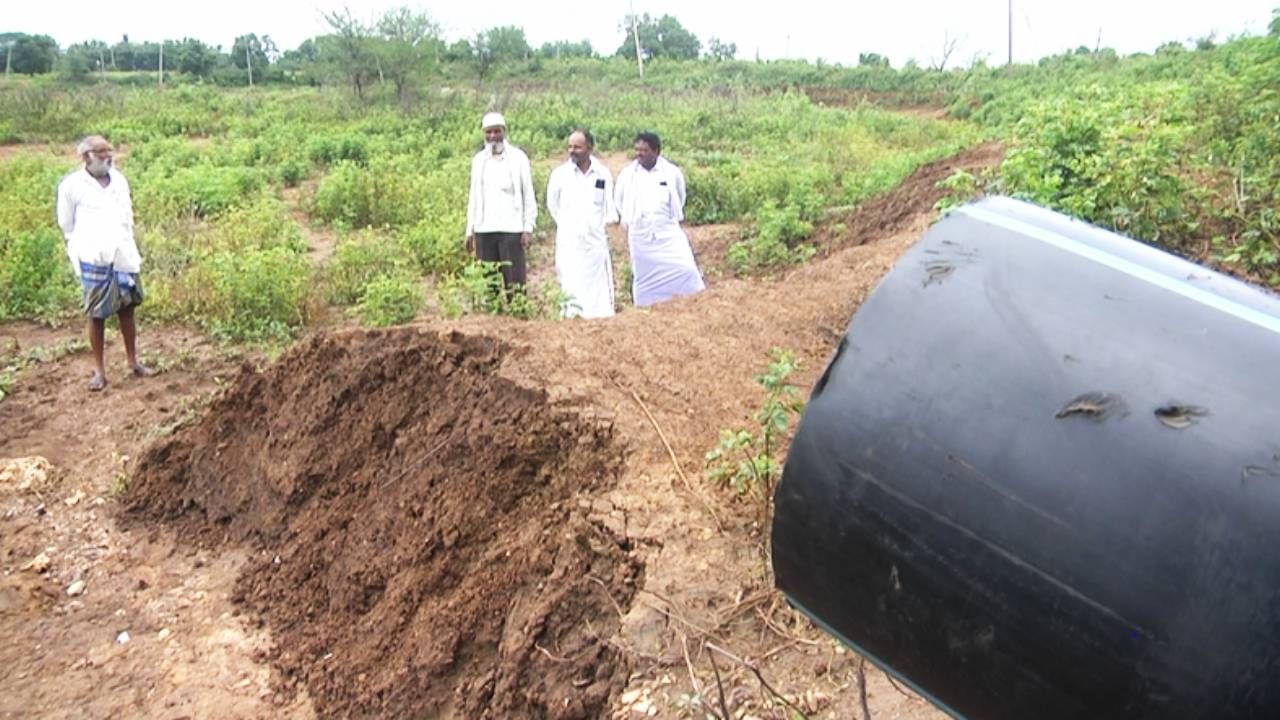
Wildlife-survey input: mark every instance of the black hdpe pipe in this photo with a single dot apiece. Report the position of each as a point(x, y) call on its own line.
point(1040, 478)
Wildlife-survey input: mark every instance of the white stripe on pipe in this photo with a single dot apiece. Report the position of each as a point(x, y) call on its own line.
point(1159, 279)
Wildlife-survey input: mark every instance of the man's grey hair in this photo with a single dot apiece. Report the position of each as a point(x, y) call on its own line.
point(87, 142)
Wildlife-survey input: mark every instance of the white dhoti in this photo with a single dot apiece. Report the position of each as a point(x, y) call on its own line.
point(582, 204)
point(662, 263)
point(651, 205)
point(585, 272)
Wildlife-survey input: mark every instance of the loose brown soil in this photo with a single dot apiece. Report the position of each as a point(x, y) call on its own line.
point(418, 549)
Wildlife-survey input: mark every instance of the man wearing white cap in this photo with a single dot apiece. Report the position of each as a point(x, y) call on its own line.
point(580, 199)
point(501, 207)
point(650, 197)
point(95, 213)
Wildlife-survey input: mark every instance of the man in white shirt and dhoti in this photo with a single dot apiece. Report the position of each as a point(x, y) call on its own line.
point(501, 207)
point(650, 198)
point(95, 213)
point(580, 199)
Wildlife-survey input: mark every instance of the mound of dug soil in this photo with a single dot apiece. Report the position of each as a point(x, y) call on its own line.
point(419, 551)
point(889, 213)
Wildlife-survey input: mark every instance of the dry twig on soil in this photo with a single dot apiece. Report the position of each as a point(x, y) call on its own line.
point(687, 623)
point(862, 688)
point(783, 633)
point(693, 678)
point(741, 607)
point(755, 670)
point(670, 452)
point(724, 706)
point(547, 652)
point(604, 587)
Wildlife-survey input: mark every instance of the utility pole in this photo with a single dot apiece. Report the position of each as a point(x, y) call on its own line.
point(635, 34)
point(161, 73)
point(248, 62)
point(8, 61)
point(1010, 32)
point(102, 65)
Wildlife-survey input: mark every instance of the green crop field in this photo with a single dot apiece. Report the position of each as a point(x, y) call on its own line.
point(1179, 148)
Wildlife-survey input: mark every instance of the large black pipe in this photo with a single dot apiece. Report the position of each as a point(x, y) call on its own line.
point(1040, 478)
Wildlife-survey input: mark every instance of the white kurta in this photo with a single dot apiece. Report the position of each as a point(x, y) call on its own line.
point(581, 204)
point(501, 193)
point(651, 203)
point(98, 222)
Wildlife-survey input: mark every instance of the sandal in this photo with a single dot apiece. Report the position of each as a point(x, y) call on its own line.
point(97, 382)
point(141, 371)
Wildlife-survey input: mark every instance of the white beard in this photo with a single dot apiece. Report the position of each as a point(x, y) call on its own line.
point(496, 148)
point(98, 168)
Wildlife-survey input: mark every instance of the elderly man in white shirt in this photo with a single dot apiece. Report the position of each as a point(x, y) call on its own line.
point(650, 198)
point(95, 213)
point(501, 207)
point(580, 199)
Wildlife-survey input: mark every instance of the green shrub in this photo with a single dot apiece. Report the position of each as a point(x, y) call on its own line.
point(437, 248)
point(253, 295)
point(1105, 160)
point(359, 259)
point(35, 278)
point(198, 191)
point(774, 242)
point(390, 300)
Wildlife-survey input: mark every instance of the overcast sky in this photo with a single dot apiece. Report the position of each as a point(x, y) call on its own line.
point(834, 30)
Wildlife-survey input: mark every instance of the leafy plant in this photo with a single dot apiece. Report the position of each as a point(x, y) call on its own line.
point(361, 258)
point(962, 186)
point(744, 459)
point(775, 242)
point(478, 289)
point(257, 295)
point(35, 279)
point(389, 300)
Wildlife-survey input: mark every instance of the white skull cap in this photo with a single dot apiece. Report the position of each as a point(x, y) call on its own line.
point(492, 119)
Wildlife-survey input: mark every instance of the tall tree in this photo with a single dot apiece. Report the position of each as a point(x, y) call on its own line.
point(30, 54)
point(718, 50)
point(78, 61)
point(949, 44)
point(249, 53)
point(122, 55)
point(193, 57)
point(460, 51)
point(408, 45)
point(348, 50)
point(146, 56)
point(664, 37)
point(304, 63)
point(872, 60)
point(506, 44)
point(481, 55)
point(566, 49)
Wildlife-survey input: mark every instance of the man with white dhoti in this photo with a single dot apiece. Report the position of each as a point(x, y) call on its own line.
point(95, 213)
point(580, 198)
point(650, 198)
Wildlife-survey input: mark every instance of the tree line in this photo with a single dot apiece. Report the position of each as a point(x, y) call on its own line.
point(391, 48)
